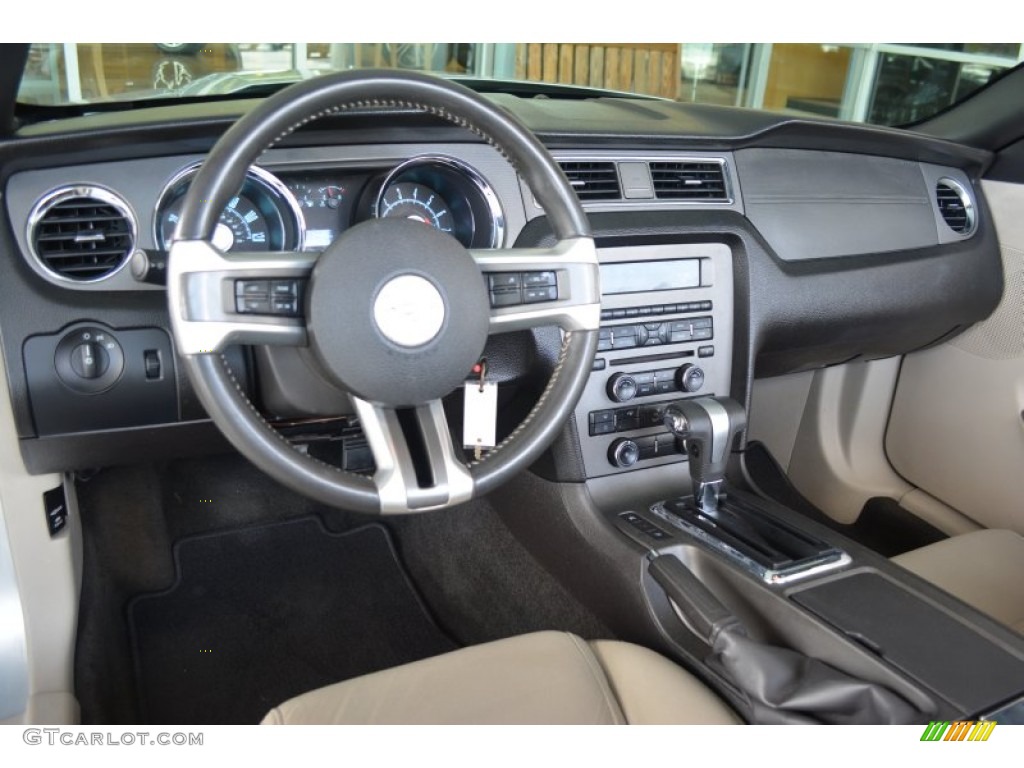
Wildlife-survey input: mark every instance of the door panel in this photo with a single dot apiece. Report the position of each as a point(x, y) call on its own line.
point(957, 425)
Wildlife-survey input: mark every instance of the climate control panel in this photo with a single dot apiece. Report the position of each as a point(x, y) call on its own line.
point(672, 340)
point(623, 387)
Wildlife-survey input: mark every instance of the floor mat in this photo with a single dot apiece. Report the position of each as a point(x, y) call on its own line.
point(260, 614)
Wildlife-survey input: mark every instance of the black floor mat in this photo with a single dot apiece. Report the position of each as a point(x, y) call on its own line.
point(883, 525)
point(258, 615)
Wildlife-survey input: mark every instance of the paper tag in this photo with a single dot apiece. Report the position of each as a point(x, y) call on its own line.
point(480, 418)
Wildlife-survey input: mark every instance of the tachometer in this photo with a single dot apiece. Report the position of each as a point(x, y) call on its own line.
point(406, 200)
point(446, 194)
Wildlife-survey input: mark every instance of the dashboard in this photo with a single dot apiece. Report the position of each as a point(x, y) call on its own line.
point(729, 250)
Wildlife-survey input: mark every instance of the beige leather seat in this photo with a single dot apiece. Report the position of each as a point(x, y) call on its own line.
point(540, 678)
point(985, 569)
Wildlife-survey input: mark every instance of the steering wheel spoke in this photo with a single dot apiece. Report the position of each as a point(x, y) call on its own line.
point(531, 287)
point(217, 299)
point(417, 466)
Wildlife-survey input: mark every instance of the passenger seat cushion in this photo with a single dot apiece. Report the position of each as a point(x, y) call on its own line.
point(546, 677)
point(985, 569)
point(550, 678)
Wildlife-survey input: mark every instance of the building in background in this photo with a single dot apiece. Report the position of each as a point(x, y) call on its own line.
point(882, 83)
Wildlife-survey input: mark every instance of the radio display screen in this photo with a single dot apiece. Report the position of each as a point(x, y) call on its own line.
point(642, 276)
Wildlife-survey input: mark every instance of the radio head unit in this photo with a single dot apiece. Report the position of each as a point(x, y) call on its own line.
point(666, 333)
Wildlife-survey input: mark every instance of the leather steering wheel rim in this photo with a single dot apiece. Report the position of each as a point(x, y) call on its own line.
point(222, 175)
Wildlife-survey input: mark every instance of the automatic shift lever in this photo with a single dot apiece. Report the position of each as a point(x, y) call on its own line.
point(709, 425)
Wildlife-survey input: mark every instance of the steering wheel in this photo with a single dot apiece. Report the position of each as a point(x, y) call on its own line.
point(394, 313)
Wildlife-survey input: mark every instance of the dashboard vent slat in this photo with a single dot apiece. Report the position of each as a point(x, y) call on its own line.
point(82, 233)
point(689, 180)
point(593, 180)
point(955, 206)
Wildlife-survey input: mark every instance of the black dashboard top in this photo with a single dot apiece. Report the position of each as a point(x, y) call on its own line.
point(592, 123)
point(815, 283)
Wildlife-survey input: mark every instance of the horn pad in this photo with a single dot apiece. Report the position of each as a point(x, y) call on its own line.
point(397, 312)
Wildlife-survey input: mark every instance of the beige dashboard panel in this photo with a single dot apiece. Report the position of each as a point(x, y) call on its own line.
point(957, 428)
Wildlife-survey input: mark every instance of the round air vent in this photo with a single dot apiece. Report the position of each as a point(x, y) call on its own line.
point(81, 234)
point(955, 206)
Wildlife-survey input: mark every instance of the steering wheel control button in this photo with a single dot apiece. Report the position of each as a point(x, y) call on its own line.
point(288, 289)
point(251, 287)
point(268, 297)
point(503, 281)
point(535, 295)
point(89, 360)
point(396, 312)
point(409, 311)
point(510, 289)
point(539, 279)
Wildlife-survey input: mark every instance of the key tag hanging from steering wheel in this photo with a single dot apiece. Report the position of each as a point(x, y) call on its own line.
point(480, 416)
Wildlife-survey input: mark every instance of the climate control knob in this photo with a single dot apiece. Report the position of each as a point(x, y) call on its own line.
point(623, 453)
point(690, 378)
point(621, 387)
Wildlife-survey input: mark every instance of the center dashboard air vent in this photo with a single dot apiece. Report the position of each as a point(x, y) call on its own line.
point(593, 180)
point(699, 180)
point(81, 234)
point(955, 206)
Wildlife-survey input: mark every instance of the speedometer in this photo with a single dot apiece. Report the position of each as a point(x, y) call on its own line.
point(263, 216)
point(241, 224)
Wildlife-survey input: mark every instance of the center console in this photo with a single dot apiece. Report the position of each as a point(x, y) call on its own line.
point(666, 334)
point(911, 653)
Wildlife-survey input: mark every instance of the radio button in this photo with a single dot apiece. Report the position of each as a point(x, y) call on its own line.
point(621, 387)
point(648, 447)
point(623, 453)
point(624, 337)
point(690, 378)
point(627, 418)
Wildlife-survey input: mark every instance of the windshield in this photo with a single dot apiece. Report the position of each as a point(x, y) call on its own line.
point(881, 83)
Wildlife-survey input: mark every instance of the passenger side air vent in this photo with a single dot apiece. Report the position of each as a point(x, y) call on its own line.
point(83, 234)
point(689, 180)
point(955, 206)
point(592, 180)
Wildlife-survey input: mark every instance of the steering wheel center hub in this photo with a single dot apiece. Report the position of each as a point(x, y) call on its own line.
point(409, 310)
point(397, 313)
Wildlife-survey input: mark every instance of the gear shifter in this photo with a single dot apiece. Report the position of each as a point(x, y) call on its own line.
point(709, 425)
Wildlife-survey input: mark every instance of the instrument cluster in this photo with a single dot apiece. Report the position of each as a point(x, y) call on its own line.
point(307, 208)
